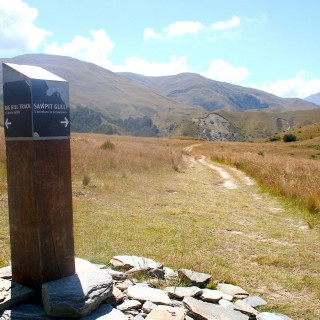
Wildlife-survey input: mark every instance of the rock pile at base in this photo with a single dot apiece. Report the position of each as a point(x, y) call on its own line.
point(97, 292)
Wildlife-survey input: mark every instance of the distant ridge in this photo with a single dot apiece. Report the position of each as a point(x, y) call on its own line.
point(212, 95)
point(125, 103)
point(103, 101)
point(314, 98)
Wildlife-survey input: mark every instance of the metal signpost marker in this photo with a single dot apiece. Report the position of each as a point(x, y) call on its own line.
point(37, 133)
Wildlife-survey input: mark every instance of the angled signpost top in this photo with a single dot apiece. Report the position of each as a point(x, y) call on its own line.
point(36, 104)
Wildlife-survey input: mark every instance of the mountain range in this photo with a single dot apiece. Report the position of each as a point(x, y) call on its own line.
point(186, 104)
point(314, 98)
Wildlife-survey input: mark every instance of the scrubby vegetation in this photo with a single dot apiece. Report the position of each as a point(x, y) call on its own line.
point(289, 171)
point(289, 137)
point(85, 119)
point(151, 197)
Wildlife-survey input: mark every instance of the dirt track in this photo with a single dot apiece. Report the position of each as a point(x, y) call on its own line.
point(257, 228)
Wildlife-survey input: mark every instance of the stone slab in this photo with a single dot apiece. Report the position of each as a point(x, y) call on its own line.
point(106, 312)
point(77, 295)
point(129, 262)
point(12, 293)
point(181, 292)
point(207, 311)
point(166, 313)
point(196, 278)
point(145, 293)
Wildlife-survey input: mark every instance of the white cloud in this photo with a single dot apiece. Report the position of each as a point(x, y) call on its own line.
point(94, 50)
point(154, 68)
point(150, 33)
point(98, 48)
point(175, 29)
point(228, 24)
point(17, 28)
point(224, 71)
point(299, 86)
point(181, 28)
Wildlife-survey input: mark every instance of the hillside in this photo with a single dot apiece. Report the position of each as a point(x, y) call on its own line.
point(263, 124)
point(308, 132)
point(103, 101)
point(314, 98)
point(195, 89)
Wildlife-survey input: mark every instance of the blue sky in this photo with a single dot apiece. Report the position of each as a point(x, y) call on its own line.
point(271, 45)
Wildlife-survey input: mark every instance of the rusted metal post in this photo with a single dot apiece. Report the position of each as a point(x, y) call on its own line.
point(37, 133)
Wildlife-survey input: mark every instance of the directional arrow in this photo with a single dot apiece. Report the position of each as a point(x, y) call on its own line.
point(65, 122)
point(7, 123)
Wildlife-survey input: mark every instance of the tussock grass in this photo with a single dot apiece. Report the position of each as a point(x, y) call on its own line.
point(138, 203)
point(286, 171)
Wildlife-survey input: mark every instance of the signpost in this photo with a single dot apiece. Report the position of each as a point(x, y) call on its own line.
point(37, 133)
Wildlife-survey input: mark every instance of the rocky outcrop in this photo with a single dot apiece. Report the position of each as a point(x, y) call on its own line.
point(98, 292)
point(214, 127)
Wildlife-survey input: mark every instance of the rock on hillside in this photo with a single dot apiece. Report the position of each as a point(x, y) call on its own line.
point(217, 128)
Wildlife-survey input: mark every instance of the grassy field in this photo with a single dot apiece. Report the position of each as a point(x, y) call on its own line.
point(149, 197)
point(287, 169)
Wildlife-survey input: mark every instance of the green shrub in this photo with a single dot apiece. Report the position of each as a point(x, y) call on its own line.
point(289, 137)
point(86, 180)
point(108, 145)
point(274, 138)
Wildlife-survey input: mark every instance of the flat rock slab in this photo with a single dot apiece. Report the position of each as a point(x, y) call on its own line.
point(245, 308)
point(170, 274)
point(25, 312)
point(196, 278)
point(129, 262)
point(283, 316)
point(145, 293)
point(12, 293)
point(83, 265)
point(166, 313)
point(116, 296)
point(77, 295)
point(226, 304)
point(6, 272)
point(116, 275)
point(211, 295)
point(181, 292)
point(208, 311)
point(148, 306)
point(234, 291)
point(254, 301)
point(124, 285)
point(106, 312)
point(129, 304)
point(271, 316)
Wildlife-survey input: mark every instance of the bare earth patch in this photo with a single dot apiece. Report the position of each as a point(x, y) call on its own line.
point(262, 237)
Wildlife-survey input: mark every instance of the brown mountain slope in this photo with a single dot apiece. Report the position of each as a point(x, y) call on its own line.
point(102, 101)
point(195, 89)
point(263, 124)
point(108, 94)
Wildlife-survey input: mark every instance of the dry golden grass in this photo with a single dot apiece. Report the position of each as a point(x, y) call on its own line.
point(306, 132)
point(147, 197)
point(288, 169)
